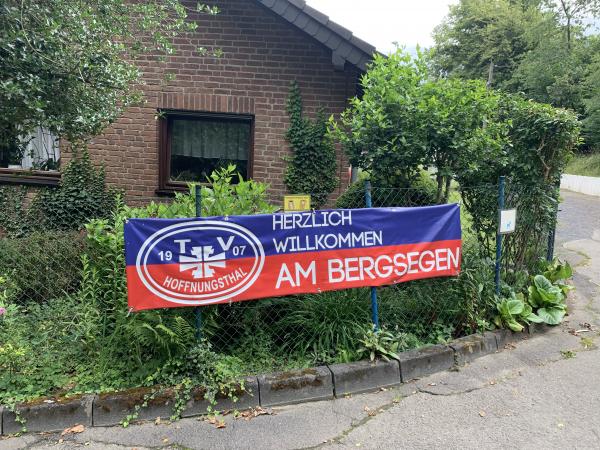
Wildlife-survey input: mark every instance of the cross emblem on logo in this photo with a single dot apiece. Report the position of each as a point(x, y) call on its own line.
point(202, 262)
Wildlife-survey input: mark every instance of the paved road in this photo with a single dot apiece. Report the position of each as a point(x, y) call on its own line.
point(527, 397)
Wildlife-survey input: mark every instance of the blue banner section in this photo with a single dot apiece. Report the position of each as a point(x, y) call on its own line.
point(205, 261)
point(289, 233)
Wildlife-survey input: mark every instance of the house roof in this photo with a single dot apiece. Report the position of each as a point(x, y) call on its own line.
point(344, 46)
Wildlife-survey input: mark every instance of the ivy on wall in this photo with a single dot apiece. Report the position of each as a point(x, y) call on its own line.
point(312, 167)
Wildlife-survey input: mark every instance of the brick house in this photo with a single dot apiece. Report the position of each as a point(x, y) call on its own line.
point(231, 109)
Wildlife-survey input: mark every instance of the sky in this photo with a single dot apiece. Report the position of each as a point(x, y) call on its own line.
point(382, 22)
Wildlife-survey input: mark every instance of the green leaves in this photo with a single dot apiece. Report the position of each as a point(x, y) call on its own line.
point(544, 293)
point(409, 117)
point(551, 316)
point(514, 312)
point(527, 47)
point(549, 297)
point(71, 65)
point(378, 344)
point(312, 168)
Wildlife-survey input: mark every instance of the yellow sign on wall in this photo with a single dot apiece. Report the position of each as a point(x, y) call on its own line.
point(293, 203)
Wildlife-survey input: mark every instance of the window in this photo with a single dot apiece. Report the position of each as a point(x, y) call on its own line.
point(194, 145)
point(30, 159)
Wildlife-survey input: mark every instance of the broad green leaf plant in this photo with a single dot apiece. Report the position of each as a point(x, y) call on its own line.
point(514, 311)
point(545, 301)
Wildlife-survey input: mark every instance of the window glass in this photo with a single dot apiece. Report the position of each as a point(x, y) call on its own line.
point(201, 145)
point(38, 150)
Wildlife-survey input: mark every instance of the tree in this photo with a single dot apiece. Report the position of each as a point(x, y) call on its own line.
point(407, 119)
point(591, 121)
point(70, 66)
point(477, 33)
point(380, 131)
point(551, 73)
point(573, 14)
point(459, 128)
point(312, 168)
point(540, 48)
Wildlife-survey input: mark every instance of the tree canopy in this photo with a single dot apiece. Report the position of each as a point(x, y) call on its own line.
point(408, 119)
point(544, 49)
point(69, 66)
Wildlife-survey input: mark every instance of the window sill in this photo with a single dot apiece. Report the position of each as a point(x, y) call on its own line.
point(172, 188)
point(29, 177)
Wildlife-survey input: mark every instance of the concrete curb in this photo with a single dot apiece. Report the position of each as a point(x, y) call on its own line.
point(468, 348)
point(275, 389)
point(110, 409)
point(504, 337)
point(425, 361)
point(364, 376)
point(246, 399)
point(55, 416)
point(284, 388)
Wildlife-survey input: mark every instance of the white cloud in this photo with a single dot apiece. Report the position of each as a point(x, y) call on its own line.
point(382, 22)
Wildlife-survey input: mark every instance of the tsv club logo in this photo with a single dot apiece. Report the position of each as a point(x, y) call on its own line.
point(200, 262)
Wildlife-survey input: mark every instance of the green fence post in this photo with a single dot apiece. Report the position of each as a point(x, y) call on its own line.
point(374, 305)
point(197, 309)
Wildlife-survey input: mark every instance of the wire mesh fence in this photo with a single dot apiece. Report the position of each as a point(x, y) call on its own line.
point(44, 254)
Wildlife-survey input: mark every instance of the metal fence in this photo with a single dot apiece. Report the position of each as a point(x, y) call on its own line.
point(42, 258)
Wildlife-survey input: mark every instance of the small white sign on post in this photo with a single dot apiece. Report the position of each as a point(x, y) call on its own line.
point(508, 221)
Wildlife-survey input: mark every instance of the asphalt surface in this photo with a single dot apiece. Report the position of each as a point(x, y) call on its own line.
point(541, 393)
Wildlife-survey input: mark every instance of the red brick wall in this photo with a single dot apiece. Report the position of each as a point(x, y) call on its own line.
point(262, 54)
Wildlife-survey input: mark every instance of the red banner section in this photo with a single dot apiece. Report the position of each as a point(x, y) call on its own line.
point(191, 262)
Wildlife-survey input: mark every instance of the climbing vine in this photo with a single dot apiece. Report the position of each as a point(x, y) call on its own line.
point(312, 167)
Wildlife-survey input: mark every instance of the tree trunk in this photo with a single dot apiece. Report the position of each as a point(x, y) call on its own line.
point(569, 34)
point(448, 184)
point(440, 184)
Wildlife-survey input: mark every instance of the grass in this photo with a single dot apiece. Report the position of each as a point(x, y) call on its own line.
point(587, 165)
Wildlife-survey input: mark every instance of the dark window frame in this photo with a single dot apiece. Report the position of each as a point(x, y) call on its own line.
point(29, 177)
point(166, 116)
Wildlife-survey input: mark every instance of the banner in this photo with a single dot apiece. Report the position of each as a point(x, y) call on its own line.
point(204, 261)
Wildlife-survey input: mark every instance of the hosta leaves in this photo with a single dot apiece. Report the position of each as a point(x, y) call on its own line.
point(515, 307)
point(544, 293)
point(514, 326)
point(559, 271)
point(551, 316)
point(542, 283)
point(528, 316)
point(534, 298)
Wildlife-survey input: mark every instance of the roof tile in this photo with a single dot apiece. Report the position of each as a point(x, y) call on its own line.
point(338, 39)
point(317, 15)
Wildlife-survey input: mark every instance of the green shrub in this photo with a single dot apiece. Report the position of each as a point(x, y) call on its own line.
point(378, 344)
point(81, 196)
point(436, 310)
point(513, 311)
point(540, 140)
point(43, 265)
point(12, 210)
point(88, 340)
point(421, 192)
point(152, 337)
point(55, 338)
point(326, 324)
